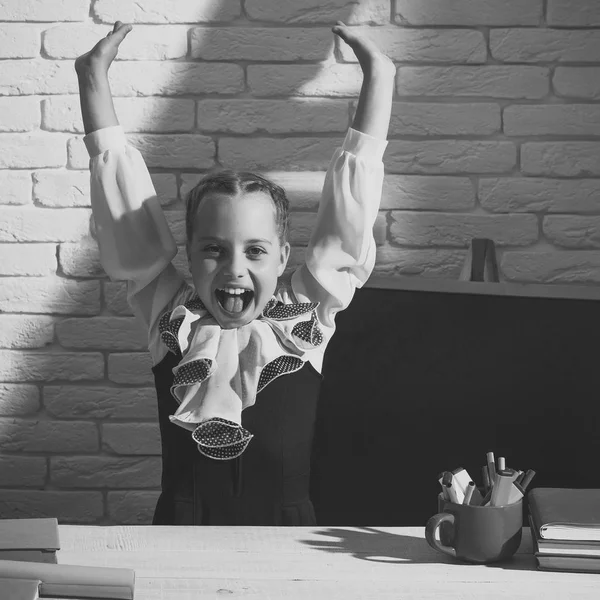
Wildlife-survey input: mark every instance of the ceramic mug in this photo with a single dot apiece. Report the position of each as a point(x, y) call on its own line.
point(477, 534)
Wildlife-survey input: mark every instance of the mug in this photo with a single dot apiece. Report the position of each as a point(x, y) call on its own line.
point(476, 534)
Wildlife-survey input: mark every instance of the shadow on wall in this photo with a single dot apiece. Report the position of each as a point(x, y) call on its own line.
point(259, 88)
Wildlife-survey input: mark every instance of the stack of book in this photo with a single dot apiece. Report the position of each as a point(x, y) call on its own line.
point(29, 568)
point(565, 528)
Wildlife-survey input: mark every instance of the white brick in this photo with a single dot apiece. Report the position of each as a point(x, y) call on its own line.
point(23, 471)
point(450, 156)
point(439, 229)
point(115, 297)
point(19, 435)
point(19, 114)
point(423, 45)
point(102, 333)
point(318, 11)
point(564, 267)
point(18, 400)
point(164, 151)
point(62, 188)
point(572, 231)
point(131, 438)
point(418, 192)
point(67, 507)
point(280, 154)
point(42, 10)
point(133, 367)
point(50, 366)
point(259, 43)
point(19, 41)
point(27, 259)
point(304, 80)
point(494, 81)
point(15, 187)
point(132, 508)
point(143, 43)
point(31, 150)
point(100, 402)
point(573, 13)
point(532, 194)
point(155, 114)
point(166, 11)
point(105, 471)
point(564, 159)
point(80, 260)
point(49, 295)
point(173, 78)
point(552, 119)
point(422, 118)
point(39, 76)
point(33, 224)
point(176, 221)
point(469, 12)
point(393, 262)
point(577, 82)
point(30, 331)
point(273, 116)
point(544, 45)
point(165, 185)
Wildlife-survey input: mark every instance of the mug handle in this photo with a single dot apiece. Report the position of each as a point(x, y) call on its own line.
point(432, 527)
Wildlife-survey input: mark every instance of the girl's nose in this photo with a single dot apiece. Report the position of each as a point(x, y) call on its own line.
point(236, 266)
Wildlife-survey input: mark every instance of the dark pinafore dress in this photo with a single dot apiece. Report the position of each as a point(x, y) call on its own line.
point(268, 484)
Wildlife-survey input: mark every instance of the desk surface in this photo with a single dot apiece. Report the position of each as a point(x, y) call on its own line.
point(328, 563)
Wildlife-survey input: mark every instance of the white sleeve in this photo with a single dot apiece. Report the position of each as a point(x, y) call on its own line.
point(136, 244)
point(341, 253)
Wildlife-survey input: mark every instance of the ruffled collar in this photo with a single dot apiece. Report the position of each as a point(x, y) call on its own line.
point(222, 370)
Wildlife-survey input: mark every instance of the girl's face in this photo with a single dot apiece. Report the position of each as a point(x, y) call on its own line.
point(235, 256)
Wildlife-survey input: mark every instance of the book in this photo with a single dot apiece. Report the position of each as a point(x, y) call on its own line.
point(561, 547)
point(29, 534)
point(19, 589)
point(46, 556)
point(569, 563)
point(565, 513)
point(73, 581)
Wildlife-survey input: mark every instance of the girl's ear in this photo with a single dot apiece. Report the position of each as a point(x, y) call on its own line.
point(283, 258)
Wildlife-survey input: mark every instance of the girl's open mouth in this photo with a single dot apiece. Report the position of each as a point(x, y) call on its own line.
point(234, 302)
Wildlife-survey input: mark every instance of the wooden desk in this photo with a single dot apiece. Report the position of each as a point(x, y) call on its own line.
point(329, 563)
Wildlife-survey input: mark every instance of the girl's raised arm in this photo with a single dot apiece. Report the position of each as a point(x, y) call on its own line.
point(341, 253)
point(135, 242)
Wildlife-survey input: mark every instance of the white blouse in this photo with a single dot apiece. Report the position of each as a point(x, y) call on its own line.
point(222, 370)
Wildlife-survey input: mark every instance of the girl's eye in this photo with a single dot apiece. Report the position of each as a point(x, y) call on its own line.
point(211, 249)
point(255, 251)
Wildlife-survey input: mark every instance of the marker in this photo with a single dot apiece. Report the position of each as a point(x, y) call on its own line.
point(491, 468)
point(486, 478)
point(452, 494)
point(516, 493)
point(501, 463)
point(469, 493)
point(460, 482)
point(486, 498)
point(501, 491)
point(527, 479)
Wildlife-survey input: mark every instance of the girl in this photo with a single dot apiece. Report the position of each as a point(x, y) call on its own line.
point(237, 357)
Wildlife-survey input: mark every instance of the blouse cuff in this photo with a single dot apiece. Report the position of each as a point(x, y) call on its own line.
point(359, 143)
point(104, 139)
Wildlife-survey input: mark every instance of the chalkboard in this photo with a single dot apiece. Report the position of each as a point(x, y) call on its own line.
point(418, 381)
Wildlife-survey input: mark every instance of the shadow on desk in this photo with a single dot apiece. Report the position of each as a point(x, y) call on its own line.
point(417, 381)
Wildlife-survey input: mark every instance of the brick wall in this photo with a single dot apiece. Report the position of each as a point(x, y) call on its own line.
point(494, 133)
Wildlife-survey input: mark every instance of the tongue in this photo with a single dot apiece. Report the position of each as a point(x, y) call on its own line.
point(233, 303)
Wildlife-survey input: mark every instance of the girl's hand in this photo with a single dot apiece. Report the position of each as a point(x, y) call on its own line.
point(100, 57)
point(367, 53)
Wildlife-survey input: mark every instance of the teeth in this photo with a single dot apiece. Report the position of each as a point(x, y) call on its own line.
point(236, 291)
